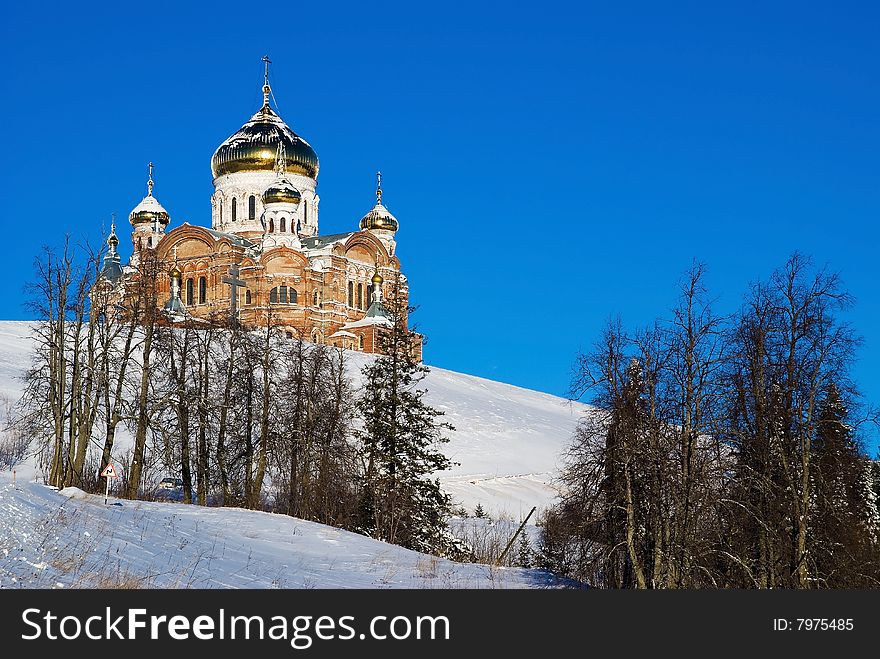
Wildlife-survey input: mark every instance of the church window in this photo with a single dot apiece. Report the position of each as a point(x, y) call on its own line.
point(305, 212)
point(273, 296)
point(361, 342)
point(360, 296)
point(203, 290)
point(351, 293)
point(292, 295)
point(247, 297)
point(221, 212)
point(252, 207)
point(283, 295)
point(369, 293)
point(298, 226)
point(283, 225)
point(234, 209)
point(316, 299)
point(271, 225)
point(189, 292)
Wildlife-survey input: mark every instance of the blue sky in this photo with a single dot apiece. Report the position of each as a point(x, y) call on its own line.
point(551, 164)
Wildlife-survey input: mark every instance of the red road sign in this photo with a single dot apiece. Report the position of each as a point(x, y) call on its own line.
point(109, 472)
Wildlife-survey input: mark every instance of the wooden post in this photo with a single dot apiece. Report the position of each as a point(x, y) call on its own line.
point(515, 536)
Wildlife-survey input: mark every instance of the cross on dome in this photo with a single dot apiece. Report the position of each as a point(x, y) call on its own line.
point(266, 89)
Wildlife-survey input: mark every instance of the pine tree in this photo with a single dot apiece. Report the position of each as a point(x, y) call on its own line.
point(401, 503)
point(843, 548)
point(525, 552)
point(478, 511)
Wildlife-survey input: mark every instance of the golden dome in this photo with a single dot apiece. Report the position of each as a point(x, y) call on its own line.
point(379, 218)
point(149, 210)
point(253, 148)
point(175, 272)
point(281, 191)
point(377, 278)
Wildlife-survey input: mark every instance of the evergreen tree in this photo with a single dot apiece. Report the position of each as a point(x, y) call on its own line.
point(401, 503)
point(478, 511)
point(525, 552)
point(843, 548)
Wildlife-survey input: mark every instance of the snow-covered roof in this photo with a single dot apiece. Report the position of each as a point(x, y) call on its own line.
point(369, 321)
point(231, 237)
point(343, 334)
point(317, 242)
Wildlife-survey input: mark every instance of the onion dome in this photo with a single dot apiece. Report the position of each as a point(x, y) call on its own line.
point(149, 211)
point(281, 191)
point(175, 272)
point(377, 278)
point(379, 217)
point(252, 148)
point(112, 269)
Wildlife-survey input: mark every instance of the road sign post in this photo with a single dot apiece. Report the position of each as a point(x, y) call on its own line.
point(108, 473)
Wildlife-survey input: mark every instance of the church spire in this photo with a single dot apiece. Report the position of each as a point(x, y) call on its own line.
point(266, 88)
point(378, 187)
point(112, 269)
point(150, 180)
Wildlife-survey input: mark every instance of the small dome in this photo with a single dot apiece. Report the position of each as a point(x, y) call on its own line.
point(377, 278)
point(253, 147)
point(379, 218)
point(175, 272)
point(112, 240)
point(281, 191)
point(149, 210)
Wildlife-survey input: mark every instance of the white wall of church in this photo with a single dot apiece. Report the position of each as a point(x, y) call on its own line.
point(242, 185)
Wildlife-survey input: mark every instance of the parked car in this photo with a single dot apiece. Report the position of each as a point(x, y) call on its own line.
point(170, 483)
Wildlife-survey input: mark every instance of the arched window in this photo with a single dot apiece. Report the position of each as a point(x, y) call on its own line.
point(234, 209)
point(273, 296)
point(271, 225)
point(361, 342)
point(283, 225)
point(360, 295)
point(282, 295)
point(298, 226)
point(316, 299)
point(305, 212)
point(351, 293)
point(369, 293)
point(317, 338)
point(203, 290)
point(247, 296)
point(189, 292)
point(292, 295)
point(221, 211)
point(252, 207)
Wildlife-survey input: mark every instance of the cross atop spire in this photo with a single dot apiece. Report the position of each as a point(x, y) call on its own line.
point(150, 181)
point(266, 89)
point(280, 159)
point(378, 187)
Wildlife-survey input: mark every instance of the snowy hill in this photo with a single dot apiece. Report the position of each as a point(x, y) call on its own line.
point(51, 539)
point(507, 441)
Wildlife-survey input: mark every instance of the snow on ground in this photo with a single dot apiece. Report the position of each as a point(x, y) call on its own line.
point(51, 539)
point(508, 440)
point(507, 444)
